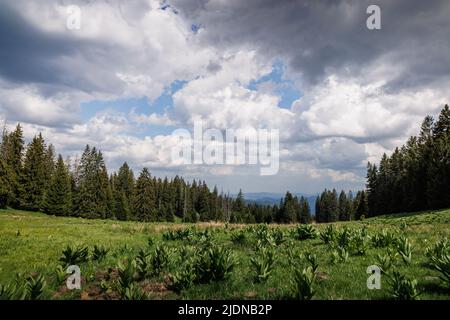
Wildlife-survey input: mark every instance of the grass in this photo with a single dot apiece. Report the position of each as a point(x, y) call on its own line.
point(32, 243)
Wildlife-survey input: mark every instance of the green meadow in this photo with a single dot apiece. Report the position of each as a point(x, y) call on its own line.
point(137, 260)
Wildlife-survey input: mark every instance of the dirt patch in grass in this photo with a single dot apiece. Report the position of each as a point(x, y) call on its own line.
point(322, 276)
point(60, 292)
point(271, 290)
point(156, 290)
point(251, 294)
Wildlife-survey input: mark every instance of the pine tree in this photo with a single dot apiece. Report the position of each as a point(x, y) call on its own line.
point(94, 196)
point(33, 177)
point(361, 205)
point(288, 212)
point(318, 214)
point(239, 204)
point(122, 206)
point(6, 190)
point(179, 186)
point(106, 196)
point(58, 198)
point(169, 214)
point(305, 216)
point(372, 191)
point(12, 152)
point(124, 192)
point(144, 200)
point(438, 184)
point(343, 207)
point(334, 209)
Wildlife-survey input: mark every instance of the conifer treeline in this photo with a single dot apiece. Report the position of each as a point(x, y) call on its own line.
point(331, 208)
point(32, 179)
point(417, 175)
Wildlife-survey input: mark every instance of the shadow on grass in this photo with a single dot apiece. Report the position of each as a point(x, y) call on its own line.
point(394, 216)
point(434, 287)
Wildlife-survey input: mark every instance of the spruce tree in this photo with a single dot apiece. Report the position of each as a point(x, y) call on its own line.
point(6, 190)
point(124, 194)
point(12, 150)
point(438, 184)
point(93, 198)
point(58, 198)
point(305, 216)
point(239, 204)
point(288, 209)
point(144, 200)
point(204, 208)
point(361, 205)
point(344, 214)
point(33, 177)
point(318, 214)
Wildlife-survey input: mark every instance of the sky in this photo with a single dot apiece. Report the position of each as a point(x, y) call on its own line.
point(134, 71)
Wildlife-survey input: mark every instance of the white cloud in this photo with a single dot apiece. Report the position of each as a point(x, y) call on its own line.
point(134, 49)
point(152, 119)
point(26, 104)
point(341, 107)
point(222, 100)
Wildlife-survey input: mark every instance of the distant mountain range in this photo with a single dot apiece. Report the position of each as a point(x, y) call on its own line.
point(269, 198)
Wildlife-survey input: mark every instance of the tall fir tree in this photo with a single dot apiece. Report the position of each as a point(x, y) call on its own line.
point(33, 177)
point(343, 207)
point(144, 200)
point(124, 192)
point(438, 184)
point(6, 188)
point(58, 198)
point(288, 212)
point(93, 197)
point(361, 205)
point(305, 215)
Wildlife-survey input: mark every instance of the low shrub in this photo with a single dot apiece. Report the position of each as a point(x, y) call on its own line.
point(404, 248)
point(126, 272)
point(403, 288)
point(239, 237)
point(74, 255)
point(99, 253)
point(160, 259)
point(386, 261)
point(182, 279)
point(305, 232)
point(384, 239)
point(302, 284)
point(34, 287)
point(263, 264)
point(328, 234)
point(214, 264)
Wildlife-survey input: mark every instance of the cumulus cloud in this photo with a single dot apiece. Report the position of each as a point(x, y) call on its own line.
point(319, 38)
point(362, 92)
point(363, 113)
point(222, 99)
point(122, 49)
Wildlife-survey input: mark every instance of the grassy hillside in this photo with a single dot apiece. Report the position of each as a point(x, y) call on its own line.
point(32, 243)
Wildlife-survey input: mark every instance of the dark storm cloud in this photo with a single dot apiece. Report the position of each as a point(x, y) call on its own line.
point(26, 54)
point(31, 56)
point(317, 38)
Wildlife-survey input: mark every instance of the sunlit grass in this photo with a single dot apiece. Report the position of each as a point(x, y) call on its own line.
point(33, 242)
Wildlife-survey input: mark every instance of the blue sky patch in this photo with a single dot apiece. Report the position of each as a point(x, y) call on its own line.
point(285, 88)
point(139, 106)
